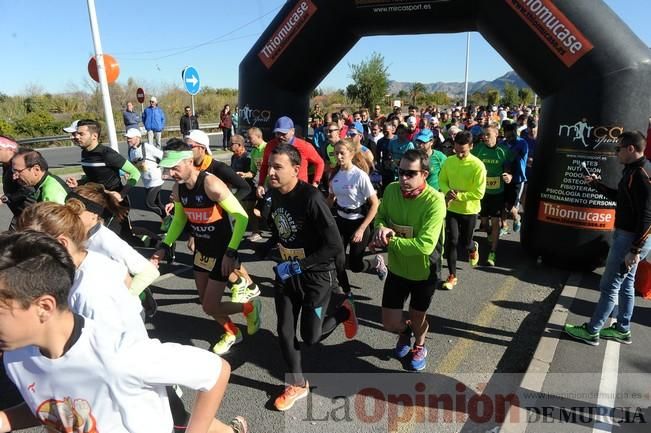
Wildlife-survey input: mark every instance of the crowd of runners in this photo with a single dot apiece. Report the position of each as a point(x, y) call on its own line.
point(390, 194)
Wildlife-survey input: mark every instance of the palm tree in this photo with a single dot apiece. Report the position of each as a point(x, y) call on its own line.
point(417, 89)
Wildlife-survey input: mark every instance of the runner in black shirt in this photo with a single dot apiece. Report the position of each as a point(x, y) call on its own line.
point(102, 164)
point(308, 241)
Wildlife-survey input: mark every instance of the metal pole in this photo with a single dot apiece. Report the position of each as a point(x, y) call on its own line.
point(465, 93)
point(101, 72)
point(192, 96)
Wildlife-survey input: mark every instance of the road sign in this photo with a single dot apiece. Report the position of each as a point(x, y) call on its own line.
point(140, 94)
point(191, 80)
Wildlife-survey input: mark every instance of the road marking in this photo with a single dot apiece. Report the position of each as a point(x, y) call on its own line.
point(484, 318)
point(607, 387)
point(536, 374)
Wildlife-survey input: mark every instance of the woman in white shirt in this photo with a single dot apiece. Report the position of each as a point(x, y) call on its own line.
point(99, 291)
point(356, 204)
point(96, 203)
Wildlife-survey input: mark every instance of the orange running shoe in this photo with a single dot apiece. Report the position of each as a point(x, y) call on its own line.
point(350, 324)
point(290, 395)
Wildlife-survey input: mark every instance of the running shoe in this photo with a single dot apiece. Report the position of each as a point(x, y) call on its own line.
point(516, 226)
point(380, 267)
point(450, 282)
point(148, 303)
point(225, 343)
point(350, 324)
point(419, 357)
point(291, 395)
point(239, 425)
point(612, 333)
point(242, 292)
point(403, 346)
point(473, 257)
point(490, 261)
point(504, 231)
point(253, 318)
point(255, 237)
point(581, 333)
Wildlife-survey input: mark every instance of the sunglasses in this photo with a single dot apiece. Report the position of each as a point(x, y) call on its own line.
point(333, 130)
point(407, 173)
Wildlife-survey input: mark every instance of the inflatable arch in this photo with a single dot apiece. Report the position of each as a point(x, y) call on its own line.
point(592, 72)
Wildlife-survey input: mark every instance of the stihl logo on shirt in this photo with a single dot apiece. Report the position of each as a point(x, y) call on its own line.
point(204, 215)
point(554, 28)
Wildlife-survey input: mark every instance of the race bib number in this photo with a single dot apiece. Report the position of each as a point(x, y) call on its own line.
point(493, 182)
point(291, 253)
point(406, 232)
point(204, 262)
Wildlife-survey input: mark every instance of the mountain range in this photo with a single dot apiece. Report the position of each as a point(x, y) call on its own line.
point(457, 88)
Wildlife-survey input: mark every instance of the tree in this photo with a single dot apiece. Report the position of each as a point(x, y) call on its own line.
point(417, 90)
point(371, 81)
point(492, 96)
point(510, 95)
point(525, 96)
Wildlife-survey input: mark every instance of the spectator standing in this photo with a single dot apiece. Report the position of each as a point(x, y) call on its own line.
point(630, 244)
point(130, 117)
point(188, 121)
point(226, 125)
point(154, 120)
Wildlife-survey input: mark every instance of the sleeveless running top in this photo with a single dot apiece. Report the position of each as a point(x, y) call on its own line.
point(209, 223)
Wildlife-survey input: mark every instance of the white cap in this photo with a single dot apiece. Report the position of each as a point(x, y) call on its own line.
point(72, 128)
point(200, 137)
point(153, 99)
point(411, 121)
point(133, 132)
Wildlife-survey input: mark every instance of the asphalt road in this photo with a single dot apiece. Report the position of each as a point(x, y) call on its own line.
point(489, 324)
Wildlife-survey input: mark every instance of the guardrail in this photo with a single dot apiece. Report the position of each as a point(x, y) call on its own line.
point(37, 140)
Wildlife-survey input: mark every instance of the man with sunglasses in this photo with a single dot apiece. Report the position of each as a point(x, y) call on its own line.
point(630, 243)
point(463, 181)
point(409, 224)
point(30, 169)
point(284, 134)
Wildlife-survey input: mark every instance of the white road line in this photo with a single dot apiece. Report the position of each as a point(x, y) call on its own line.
point(608, 387)
point(534, 378)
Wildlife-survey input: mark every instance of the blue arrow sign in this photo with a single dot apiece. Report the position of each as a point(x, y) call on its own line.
point(191, 80)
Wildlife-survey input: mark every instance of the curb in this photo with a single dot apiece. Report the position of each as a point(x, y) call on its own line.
point(534, 378)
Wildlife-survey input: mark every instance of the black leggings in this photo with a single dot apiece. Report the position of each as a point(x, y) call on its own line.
point(226, 138)
point(308, 295)
point(356, 253)
point(460, 229)
point(152, 201)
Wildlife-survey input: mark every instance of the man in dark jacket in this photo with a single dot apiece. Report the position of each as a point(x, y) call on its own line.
point(130, 117)
point(630, 243)
point(188, 121)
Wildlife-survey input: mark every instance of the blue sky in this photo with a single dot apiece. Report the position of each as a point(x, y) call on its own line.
point(47, 43)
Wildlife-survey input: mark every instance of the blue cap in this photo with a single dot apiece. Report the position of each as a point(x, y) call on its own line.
point(356, 128)
point(424, 135)
point(283, 125)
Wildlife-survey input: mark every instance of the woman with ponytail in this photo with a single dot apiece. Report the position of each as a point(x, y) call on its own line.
point(99, 291)
point(97, 205)
point(356, 204)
